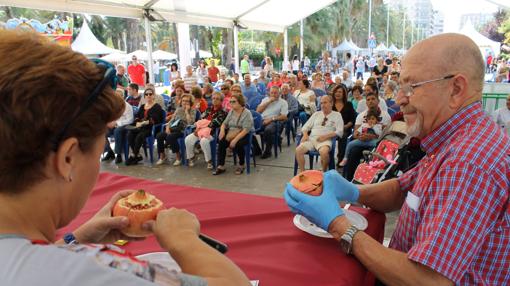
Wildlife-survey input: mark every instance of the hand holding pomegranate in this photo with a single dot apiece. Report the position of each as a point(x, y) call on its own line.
point(103, 227)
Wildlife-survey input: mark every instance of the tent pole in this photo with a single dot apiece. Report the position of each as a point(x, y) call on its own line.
point(148, 41)
point(184, 45)
point(301, 42)
point(236, 49)
point(285, 47)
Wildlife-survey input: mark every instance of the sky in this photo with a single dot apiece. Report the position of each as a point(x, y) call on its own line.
point(453, 9)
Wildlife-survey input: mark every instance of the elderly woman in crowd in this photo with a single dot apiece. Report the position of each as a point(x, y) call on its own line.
point(306, 98)
point(317, 82)
point(207, 92)
point(45, 183)
point(225, 91)
point(200, 103)
point(148, 114)
point(356, 95)
point(184, 116)
point(275, 81)
point(206, 128)
point(340, 104)
point(234, 133)
point(235, 89)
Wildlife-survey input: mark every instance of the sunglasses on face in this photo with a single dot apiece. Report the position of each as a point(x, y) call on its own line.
point(149, 94)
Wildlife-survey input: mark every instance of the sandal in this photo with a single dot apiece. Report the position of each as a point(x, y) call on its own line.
point(239, 170)
point(218, 171)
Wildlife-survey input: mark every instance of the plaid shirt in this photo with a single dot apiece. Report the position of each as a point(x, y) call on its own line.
point(461, 225)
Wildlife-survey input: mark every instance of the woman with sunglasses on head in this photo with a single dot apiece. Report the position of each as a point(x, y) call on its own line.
point(45, 183)
point(234, 133)
point(148, 114)
point(184, 115)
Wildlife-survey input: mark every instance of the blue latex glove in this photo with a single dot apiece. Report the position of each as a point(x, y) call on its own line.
point(321, 210)
point(343, 189)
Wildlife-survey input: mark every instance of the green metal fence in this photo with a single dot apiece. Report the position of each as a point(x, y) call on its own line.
point(493, 101)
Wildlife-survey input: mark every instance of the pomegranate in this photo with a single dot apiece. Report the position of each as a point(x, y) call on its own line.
point(138, 207)
point(308, 182)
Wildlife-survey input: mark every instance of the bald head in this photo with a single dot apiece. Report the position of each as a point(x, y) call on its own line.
point(449, 53)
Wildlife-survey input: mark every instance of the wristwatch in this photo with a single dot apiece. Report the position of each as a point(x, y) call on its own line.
point(346, 239)
point(69, 238)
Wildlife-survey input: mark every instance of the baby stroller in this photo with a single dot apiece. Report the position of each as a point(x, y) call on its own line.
point(383, 162)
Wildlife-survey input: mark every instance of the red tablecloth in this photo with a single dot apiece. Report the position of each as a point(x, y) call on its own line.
point(259, 231)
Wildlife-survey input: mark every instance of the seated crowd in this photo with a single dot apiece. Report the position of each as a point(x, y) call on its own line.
point(222, 115)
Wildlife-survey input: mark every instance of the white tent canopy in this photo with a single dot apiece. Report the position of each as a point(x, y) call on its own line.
point(140, 55)
point(481, 41)
point(115, 57)
point(381, 48)
point(356, 48)
point(160, 55)
point(263, 15)
point(202, 54)
point(393, 48)
point(344, 46)
point(87, 44)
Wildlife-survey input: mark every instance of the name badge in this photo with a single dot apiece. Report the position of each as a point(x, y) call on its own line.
point(413, 201)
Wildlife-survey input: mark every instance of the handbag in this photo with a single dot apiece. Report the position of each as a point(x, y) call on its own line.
point(177, 126)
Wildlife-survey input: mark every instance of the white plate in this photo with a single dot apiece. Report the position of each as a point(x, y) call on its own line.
point(161, 258)
point(305, 225)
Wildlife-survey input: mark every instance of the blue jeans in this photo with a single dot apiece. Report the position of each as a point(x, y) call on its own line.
point(359, 143)
point(303, 117)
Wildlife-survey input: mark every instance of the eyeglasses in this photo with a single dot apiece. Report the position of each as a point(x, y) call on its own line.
point(224, 88)
point(149, 94)
point(134, 59)
point(408, 88)
point(324, 121)
point(108, 78)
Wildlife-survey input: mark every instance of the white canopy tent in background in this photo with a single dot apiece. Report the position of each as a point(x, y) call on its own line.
point(160, 55)
point(394, 49)
point(140, 55)
point(263, 15)
point(356, 48)
point(87, 44)
point(381, 48)
point(481, 41)
point(115, 57)
point(201, 54)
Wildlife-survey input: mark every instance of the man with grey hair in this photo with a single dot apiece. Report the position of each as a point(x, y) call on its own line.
point(190, 79)
point(274, 110)
point(122, 79)
point(454, 222)
point(249, 90)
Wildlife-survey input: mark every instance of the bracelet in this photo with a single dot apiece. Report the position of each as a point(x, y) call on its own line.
point(69, 238)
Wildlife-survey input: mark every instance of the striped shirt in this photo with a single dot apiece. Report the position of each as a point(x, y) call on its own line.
point(458, 223)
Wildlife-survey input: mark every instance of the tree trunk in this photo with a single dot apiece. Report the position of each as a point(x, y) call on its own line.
point(132, 35)
point(228, 42)
point(175, 39)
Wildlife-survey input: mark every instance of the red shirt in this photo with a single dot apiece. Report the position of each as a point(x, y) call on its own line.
point(456, 217)
point(136, 74)
point(213, 72)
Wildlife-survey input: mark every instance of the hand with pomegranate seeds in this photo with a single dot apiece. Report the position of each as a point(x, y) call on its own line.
point(103, 227)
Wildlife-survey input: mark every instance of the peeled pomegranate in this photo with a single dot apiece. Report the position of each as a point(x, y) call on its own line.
point(308, 182)
point(138, 207)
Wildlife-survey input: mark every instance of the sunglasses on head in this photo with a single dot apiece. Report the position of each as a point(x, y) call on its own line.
point(109, 77)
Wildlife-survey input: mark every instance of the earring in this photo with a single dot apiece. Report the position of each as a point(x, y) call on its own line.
point(70, 178)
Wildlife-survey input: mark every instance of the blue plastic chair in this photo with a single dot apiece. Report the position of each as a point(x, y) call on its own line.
point(149, 141)
point(315, 155)
point(254, 102)
point(261, 87)
point(167, 99)
point(319, 92)
point(290, 128)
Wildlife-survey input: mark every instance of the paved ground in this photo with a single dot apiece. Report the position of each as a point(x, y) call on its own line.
point(268, 178)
